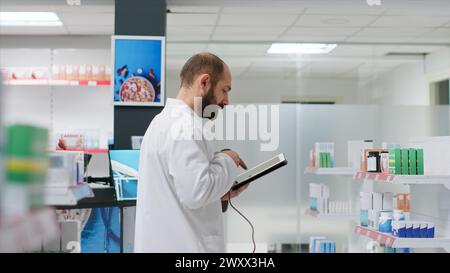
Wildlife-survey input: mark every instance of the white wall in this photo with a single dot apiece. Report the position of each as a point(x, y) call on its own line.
point(405, 85)
point(437, 65)
point(273, 90)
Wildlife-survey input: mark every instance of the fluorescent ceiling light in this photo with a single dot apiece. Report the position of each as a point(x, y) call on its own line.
point(29, 19)
point(295, 48)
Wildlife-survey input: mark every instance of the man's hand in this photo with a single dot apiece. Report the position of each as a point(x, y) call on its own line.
point(232, 194)
point(235, 157)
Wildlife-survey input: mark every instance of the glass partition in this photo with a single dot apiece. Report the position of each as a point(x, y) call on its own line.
point(276, 203)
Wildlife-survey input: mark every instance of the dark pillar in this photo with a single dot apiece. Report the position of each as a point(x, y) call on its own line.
point(136, 17)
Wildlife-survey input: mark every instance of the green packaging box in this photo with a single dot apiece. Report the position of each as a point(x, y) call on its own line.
point(405, 161)
point(412, 162)
point(26, 141)
point(26, 153)
point(395, 162)
point(420, 169)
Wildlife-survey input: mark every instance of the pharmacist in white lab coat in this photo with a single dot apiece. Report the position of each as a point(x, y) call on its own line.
point(182, 179)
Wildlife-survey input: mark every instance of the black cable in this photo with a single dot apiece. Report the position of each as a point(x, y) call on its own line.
point(253, 229)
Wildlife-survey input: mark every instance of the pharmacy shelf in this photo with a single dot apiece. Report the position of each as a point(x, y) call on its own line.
point(405, 179)
point(57, 82)
point(332, 216)
point(28, 233)
point(63, 196)
point(330, 171)
point(396, 242)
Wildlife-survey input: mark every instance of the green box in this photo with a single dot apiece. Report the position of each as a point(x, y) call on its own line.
point(26, 151)
point(405, 161)
point(398, 161)
point(327, 160)
point(395, 162)
point(322, 160)
point(420, 169)
point(26, 141)
point(412, 162)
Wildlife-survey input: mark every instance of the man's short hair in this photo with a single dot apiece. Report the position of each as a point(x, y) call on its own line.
point(202, 63)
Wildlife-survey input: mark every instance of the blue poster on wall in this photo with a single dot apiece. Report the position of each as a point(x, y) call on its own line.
point(139, 70)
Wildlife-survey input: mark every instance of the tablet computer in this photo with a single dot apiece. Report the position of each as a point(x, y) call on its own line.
point(260, 170)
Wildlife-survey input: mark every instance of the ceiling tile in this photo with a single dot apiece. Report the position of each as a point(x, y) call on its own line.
point(105, 19)
point(312, 39)
point(221, 30)
point(389, 39)
point(321, 31)
point(335, 20)
point(393, 31)
point(425, 9)
point(440, 32)
point(416, 48)
point(360, 50)
point(239, 49)
point(410, 21)
point(188, 37)
point(85, 7)
point(194, 9)
point(91, 30)
point(346, 9)
point(32, 30)
point(432, 40)
point(64, 8)
point(250, 37)
point(256, 19)
point(262, 10)
point(191, 19)
point(189, 30)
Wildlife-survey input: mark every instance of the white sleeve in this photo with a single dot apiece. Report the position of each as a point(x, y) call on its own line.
point(198, 181)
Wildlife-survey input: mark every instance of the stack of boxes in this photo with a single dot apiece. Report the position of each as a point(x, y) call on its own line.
point(322, 156)
point(372, 205)
point(406, 161)
point(319, 196)
point(389, 214)
point(26, 164)
point(320, 244)
point(319, 200)
point(413, 229)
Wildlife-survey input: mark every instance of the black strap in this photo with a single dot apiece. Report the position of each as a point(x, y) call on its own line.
point(224, 205)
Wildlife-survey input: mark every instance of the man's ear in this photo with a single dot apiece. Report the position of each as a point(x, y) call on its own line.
point(205, 82)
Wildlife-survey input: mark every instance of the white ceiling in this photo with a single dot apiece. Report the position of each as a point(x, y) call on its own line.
point(241, 31)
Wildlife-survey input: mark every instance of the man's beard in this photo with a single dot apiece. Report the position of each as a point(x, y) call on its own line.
point(207, 100)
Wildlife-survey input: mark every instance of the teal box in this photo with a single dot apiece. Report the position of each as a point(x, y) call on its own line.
point(313, 203)
point(364, 217)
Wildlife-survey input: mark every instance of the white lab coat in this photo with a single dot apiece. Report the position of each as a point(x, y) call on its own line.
point(180, 186)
